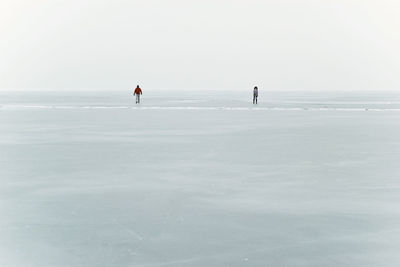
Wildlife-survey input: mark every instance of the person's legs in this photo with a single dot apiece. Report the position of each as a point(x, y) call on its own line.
point(137, 98)
point(256, 99)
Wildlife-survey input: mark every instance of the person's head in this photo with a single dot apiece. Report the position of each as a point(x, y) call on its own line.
point(137, 86)
point(255, 87)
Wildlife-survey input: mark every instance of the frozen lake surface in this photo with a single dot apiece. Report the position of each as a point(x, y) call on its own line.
point(199, 179)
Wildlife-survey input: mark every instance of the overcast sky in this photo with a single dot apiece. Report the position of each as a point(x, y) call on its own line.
point(207, 44)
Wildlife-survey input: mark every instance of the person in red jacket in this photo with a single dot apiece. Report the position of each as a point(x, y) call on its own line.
point(137, 92)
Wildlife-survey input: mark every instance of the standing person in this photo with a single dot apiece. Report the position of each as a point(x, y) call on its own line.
point(255, 95)
point(137, 92)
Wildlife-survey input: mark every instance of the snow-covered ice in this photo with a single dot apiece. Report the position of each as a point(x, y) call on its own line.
point(199, 179)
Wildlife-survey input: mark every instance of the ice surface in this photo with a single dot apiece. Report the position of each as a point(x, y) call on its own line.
point(199, 179)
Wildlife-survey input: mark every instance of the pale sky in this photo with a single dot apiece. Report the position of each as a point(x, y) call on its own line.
point(207, 44)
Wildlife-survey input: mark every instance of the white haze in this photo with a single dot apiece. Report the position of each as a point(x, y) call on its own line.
point(219, 44)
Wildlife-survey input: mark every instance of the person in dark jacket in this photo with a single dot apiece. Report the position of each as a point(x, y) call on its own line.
point(255, 95)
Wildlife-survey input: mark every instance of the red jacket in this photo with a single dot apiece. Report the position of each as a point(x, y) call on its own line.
point(138, 91)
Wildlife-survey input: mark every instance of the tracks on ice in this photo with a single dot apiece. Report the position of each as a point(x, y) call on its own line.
point(17, 107)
